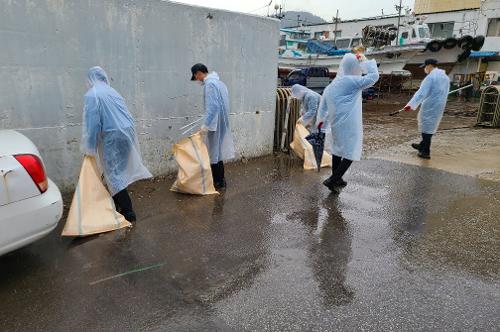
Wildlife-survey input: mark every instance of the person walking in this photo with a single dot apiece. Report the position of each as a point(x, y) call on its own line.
point(216, 123)
point(109, 135)
point(341, 111)
point(433, 95)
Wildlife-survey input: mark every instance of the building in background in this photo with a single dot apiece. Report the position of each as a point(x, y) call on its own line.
point(438, 6)
point(445, 18)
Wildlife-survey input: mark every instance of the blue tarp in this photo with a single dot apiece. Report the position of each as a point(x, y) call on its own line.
point(482, 54)
point(317, 47)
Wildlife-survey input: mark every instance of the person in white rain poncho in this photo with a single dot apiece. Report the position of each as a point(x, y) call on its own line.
point(109, 136)
point(310, 104)
point(340, 110)
point(216, 125)
point(432, 94)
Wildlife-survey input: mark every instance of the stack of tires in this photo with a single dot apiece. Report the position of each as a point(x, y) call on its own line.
point(466, 43)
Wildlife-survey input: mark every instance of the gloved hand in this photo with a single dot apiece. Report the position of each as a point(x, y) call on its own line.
point(407, 108)
point(361, 57)
point(203, 130)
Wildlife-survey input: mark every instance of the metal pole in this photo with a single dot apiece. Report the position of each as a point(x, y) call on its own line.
point(336, 24)
point(399, 20)
point(449, 93)
point(192, 123)
point(285, 128)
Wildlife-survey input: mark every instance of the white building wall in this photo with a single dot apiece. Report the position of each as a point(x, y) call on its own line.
point(489, 9)
point(467, 22)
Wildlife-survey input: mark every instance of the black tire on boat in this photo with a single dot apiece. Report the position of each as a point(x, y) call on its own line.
point(434, 46)
point(390, 55)
point(450, 43)
point(465, 42)
point(463, 56)
point(478, 43)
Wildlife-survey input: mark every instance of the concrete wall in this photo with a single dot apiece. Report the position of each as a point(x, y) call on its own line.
point(147, 47)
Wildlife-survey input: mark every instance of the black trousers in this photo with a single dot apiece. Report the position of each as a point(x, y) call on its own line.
point(425, 144)
point(123, 204)
point(218, 173)
point(339, 166)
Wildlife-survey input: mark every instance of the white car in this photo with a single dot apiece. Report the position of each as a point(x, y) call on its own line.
point(30, 203)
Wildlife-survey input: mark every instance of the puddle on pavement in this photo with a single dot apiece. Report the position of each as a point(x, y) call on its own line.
point(465, 236)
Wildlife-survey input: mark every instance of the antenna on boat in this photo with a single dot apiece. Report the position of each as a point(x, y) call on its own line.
point(398, 8)
point(336, 24)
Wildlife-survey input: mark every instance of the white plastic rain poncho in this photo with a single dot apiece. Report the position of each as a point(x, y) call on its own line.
point(219, 139)
point(109, 134)
point(341, 105)
point(433, 94)
point(310, 103)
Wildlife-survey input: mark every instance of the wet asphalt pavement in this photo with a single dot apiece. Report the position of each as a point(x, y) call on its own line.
point(400, 248)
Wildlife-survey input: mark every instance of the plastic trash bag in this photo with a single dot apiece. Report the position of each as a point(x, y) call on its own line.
point(92, 210)
point(304, 150)
point(194, 175)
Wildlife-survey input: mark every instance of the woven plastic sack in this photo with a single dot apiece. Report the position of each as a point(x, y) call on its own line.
point(92, 210)
point(194, 175)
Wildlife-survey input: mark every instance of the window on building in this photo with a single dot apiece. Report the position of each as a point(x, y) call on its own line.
point(423, 32)
point(441, 30)
point(355, 42)
point(493, 27)
point(343, 44)
point(300, 35)
point(322, 35)
point(413, 33)
point(404, 35)
point(283, 40)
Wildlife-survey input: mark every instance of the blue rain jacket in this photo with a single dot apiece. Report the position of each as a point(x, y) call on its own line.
point(341, 105)
point(108, 134)
point(433, 94)
point(219, 139)
point(310, 103)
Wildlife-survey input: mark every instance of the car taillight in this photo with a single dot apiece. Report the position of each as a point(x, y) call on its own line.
point(33, 165)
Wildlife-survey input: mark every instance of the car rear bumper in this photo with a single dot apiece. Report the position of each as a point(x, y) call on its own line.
point(26, 221)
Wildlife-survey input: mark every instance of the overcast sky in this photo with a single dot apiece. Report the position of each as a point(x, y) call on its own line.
point(324, 8)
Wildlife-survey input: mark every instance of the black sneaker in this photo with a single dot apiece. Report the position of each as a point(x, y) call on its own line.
point(332, 183)
point(341, 183)
point(130, 217)
point(416, 146)
point(220, 185)
point(424, 155)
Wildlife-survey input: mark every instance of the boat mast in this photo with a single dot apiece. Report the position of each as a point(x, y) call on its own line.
point(336, 24)
point(399, 19)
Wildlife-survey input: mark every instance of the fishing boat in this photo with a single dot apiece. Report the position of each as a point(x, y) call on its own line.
point(391, 53)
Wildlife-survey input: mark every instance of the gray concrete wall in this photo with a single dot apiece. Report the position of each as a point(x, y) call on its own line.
point(147, 47)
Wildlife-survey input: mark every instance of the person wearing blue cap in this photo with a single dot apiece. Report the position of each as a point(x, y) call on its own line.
point(432, 95)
